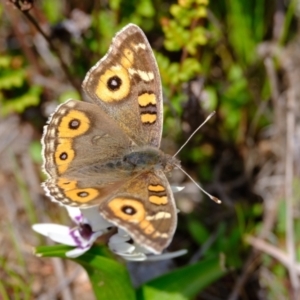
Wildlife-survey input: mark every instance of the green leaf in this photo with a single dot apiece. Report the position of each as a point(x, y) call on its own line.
point(184, 283)
point(239, 22)
point(19, 104)
point(115, 4)
point(69, 94)
point(198, 231)
point(212, 98)
point(5, 61)
point(145, 8)
point(189, 69)
point(50, 8)
point(110, 279)
point(12, 78)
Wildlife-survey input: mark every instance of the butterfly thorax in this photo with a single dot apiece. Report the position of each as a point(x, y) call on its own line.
point(147, 158)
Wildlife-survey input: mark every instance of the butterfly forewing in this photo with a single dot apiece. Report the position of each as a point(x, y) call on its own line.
point(126, 84)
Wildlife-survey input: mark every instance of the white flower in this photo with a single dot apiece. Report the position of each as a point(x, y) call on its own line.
point(82, 236)
point(90, 226)
point(120, 244)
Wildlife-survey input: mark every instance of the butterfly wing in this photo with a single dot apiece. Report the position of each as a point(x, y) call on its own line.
point(145, 208)
point(126, 84)
point(82, 150)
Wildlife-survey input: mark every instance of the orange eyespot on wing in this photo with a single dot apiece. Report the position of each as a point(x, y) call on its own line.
point(80, 195)
point(114, 84)
point(126, 209)
point(73, 124)
point(64, 154)
point(75, 193)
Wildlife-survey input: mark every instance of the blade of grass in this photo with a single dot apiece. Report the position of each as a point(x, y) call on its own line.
point(183, 283)
point(3, 293)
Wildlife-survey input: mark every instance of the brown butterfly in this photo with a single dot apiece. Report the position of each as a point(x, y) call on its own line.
point(105, 151)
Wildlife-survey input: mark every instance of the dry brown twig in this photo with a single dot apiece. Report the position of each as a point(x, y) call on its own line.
point(263, 246)
point(290, 65)
point(289, 173)
point(25, 6)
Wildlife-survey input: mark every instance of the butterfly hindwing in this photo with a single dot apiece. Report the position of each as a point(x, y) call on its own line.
point(145, 208)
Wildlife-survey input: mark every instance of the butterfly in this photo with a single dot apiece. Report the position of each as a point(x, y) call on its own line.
point(105, 151)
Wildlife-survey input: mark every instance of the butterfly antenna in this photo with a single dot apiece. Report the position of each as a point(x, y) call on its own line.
point(194, 133)
point(213, 198)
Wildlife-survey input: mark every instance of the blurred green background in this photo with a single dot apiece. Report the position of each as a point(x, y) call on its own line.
point(238, 58)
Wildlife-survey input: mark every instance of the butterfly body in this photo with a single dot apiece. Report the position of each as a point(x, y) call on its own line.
point(105, 151)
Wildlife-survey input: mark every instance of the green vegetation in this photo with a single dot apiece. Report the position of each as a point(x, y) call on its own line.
point(225, 56)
